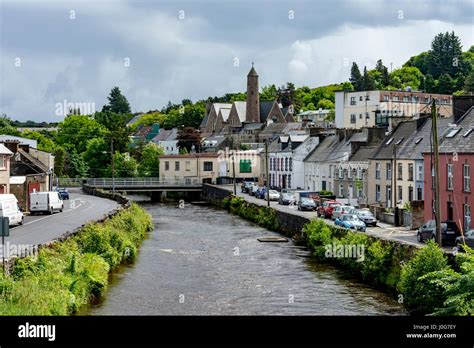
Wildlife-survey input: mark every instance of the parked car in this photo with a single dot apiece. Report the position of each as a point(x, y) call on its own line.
point(274, 195)
point(306, 203)
point(9, 208)
point(253, 191)
point(468, 240)
point(261, 192)
point(366, 216)
point(286, 199)
point(449, 231)
point(351, 221)
point(326, 208)
point(246, 186)
point(341, 210)
point(63, 193)
point(45, 202)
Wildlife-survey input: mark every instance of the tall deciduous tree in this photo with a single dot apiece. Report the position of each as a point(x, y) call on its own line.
point(367, 81)
point(189, 137)
point(150, 160)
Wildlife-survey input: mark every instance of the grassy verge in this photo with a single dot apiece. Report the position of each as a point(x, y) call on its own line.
point(69, 274)
point(421, 279)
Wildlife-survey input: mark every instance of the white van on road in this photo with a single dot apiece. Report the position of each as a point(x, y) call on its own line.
point(45, 202)
point(9, 208)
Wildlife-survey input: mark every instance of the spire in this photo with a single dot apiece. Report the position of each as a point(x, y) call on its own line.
point(252, 72)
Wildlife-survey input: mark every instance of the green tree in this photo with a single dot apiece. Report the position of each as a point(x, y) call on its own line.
point(446, 84)
point(117, 126)
point(325, 104)
point(406, 76)
point(150, 160)
point(445, 55)
point(383, 79)
point(189, 137)
point(269, 92)
point(125, 166)
point(367, 81)
point(356, 78)
point(469, 83)
point(97, 157)
point(76, 130)
point(117, 102)
point(76, 167)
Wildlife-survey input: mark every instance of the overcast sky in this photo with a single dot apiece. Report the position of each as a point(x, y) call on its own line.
point(157, 51)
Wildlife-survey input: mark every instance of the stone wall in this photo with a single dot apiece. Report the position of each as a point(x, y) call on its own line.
point(214, 194)
point(417, 214)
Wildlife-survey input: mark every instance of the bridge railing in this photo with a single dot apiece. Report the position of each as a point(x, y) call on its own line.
point(141, 182)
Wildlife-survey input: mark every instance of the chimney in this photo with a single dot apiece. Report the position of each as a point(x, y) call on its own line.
point(12, 145)
point(461, 104)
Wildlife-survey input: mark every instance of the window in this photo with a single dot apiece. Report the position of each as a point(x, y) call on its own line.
point(400, 171)
point(330, 171)
point(176, 166)
point(450, 176)
point(410, 172)
point(167, 165)
point(400, 193)
point(208, 166)
point(349, 173)
point(291, 164)
point(385, 98)
point(396, 98)
point(353, 118)
point(359, 173)
point(289, 180)
point(360, 116)
point(452, 133)
point(360, 98)
point(419, 194)
point(246, 166)
point(286, 164)
point(410, 193)
point(353, 101)
point(188, 166)
point(3, 162)
point(377, 170)
point(405, 99)
point(341, 173)
point(467, 217)
point(467, 178)
point(377, 193)
point(388, 171)
point(420, 172)
point(341, 190)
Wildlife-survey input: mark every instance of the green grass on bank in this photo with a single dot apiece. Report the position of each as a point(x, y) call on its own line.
point(69, 274)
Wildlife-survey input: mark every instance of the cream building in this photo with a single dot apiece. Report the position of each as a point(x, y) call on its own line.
point(191, 168)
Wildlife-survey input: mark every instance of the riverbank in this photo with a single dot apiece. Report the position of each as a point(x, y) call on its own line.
point(66, 275)
point(420, 278)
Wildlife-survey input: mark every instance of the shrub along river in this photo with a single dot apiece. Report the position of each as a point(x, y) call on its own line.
point(204, 261)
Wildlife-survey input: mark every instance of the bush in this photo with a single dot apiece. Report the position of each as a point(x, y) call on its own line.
point(67, 275)
point(418, 289)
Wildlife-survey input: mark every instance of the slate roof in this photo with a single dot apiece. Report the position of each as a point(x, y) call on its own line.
point(321, 152)
point(419, 140)
point(364, 153)
point(265, 108)
point(204, 121)
point(250, 126)
point(252, 72)
point(400, 134)
point(305, 148)
point(463, 141)
point(241, 108)
point(166, 135)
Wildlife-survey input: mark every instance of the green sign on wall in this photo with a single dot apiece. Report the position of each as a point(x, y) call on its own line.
point(245, 166)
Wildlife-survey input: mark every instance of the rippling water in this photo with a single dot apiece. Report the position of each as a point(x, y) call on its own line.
point(203, 261)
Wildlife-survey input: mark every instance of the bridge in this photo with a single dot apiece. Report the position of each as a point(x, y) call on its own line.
point(145, 184)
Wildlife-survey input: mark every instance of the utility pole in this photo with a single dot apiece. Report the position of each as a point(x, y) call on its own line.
point(233, 172)
point(437, 206)
point(267, 181)
point(113, 164)
point(394, 189)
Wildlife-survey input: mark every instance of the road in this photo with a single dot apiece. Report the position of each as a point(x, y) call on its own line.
point(38, 229)
point(382, 230)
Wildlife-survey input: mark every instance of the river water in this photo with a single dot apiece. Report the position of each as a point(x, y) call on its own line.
point(204, 261)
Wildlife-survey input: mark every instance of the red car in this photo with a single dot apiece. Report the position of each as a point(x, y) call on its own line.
point(327, 208)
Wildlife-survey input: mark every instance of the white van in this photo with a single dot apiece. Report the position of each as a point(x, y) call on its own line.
point(9, 208)
point(45, 202)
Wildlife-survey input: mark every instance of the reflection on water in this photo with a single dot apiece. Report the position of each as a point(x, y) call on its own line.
point(204, 261)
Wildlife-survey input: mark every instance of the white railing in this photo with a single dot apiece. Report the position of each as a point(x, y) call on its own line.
point(141, 182)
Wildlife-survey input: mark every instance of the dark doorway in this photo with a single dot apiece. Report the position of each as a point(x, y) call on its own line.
point(450, 211)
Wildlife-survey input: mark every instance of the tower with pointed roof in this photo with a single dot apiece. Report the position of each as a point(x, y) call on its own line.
point(253, 102)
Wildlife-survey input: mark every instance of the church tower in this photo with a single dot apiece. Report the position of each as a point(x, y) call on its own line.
point(253, 103)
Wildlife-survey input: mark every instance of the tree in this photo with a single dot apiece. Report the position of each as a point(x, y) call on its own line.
point(384, 79)
point(446, 84)
point(367, 81)
point(76, 130)
point(325, 104)
point(117, 102)
point(356, 78)
point(269, 92)
point(77, 167)
point(431, 84)
point(469, 83)
point(117, 126)
point(125, 166)
point(406, 76)
point(97, 157)
point(445, 55)
point(150, 160)
point(189, 137)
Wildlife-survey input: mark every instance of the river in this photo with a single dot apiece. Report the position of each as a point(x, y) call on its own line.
point(204, 261)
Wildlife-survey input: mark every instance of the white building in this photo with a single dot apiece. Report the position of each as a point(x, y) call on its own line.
point(298, 157)
point(167, 139)
point(377, 108)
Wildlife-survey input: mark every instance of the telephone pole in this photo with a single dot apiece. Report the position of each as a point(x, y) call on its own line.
point(113, 164)
point(233, 172)
point(267, 181)
point(437, 202)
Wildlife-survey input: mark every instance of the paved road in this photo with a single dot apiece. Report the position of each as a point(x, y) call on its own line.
point(382, 230)
point(38, 229)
